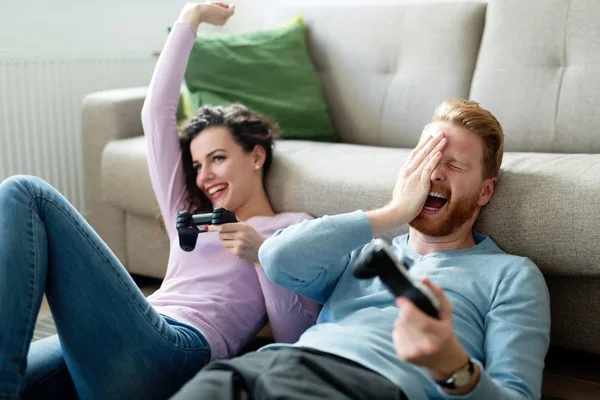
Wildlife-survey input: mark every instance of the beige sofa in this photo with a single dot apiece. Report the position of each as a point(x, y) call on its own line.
point(534, 63)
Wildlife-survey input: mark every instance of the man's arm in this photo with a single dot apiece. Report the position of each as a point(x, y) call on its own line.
point(289, 313)
point(386, 218)
point(309, 258)
point(517, 336)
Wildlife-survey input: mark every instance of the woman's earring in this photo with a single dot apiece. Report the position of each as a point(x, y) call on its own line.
point(256, 166)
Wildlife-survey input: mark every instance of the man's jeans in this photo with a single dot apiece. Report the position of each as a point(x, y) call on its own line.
point(111, 343)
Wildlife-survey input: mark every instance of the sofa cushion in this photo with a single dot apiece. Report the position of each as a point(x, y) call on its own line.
point(539, 72)
point(386, 67)
point(147, 246)
point(269, 71)
point(544, 207)
point(323, 178)
point(125, 178)
point(126, 182)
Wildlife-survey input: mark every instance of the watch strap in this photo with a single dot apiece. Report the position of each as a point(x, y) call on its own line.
point(454, 382)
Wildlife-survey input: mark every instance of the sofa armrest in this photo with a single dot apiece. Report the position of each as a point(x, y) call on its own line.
point(107, 116)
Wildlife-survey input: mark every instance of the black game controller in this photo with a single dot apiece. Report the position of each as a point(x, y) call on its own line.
point(189, 226)
point(378, 259)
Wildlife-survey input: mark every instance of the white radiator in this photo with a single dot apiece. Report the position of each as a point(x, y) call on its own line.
point(40, 113)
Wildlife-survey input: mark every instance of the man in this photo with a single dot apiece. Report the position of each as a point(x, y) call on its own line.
point(493, 332)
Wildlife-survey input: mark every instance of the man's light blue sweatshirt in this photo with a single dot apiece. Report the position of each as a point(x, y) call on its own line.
point(501, 306)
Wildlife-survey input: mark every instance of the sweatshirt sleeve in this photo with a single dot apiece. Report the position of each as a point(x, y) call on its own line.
point(517, 338)
point(308, 258)
point(159, 123)
point(289, 313)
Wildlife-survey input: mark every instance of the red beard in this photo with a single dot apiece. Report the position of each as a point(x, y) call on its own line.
point(455, 216)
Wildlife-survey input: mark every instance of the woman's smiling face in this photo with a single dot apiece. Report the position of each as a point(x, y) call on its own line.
point(226, 174)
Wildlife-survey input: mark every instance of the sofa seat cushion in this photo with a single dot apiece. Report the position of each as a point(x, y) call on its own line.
point(544, 208)
point(331, 178)
point(126, 182)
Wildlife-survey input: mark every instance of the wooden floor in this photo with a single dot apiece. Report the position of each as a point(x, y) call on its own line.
point(572, 375)
point(569, 375)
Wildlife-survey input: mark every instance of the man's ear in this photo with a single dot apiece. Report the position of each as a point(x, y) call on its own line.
point(487, 191)
point(259, 155)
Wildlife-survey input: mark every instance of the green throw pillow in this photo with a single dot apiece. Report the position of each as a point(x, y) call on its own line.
point(269, 71)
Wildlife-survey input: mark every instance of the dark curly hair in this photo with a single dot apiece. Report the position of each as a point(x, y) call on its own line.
point(248, 128)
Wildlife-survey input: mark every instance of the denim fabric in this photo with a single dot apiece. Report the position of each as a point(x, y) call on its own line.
point(111, 343)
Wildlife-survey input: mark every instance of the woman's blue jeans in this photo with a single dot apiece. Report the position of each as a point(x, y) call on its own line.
point(111, 343)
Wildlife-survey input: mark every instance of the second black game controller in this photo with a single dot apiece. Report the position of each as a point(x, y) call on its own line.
point(189, 226)
point(378, 259)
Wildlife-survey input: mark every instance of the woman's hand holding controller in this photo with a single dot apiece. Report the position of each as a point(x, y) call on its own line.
point(240, 239)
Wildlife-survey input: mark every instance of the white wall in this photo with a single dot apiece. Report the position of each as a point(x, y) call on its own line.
point(134, 27)
point(85, 27)
point(251, 11)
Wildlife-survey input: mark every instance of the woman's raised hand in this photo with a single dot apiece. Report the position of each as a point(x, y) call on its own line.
point(211, 12)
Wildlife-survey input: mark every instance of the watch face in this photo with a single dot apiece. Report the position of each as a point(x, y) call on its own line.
point(462, 378)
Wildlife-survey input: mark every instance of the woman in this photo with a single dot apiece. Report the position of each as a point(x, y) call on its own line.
point(112, 342)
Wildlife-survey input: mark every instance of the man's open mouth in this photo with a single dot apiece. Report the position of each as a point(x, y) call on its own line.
point(435, 201)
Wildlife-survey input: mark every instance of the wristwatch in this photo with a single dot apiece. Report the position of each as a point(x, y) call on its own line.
point(460, 378)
